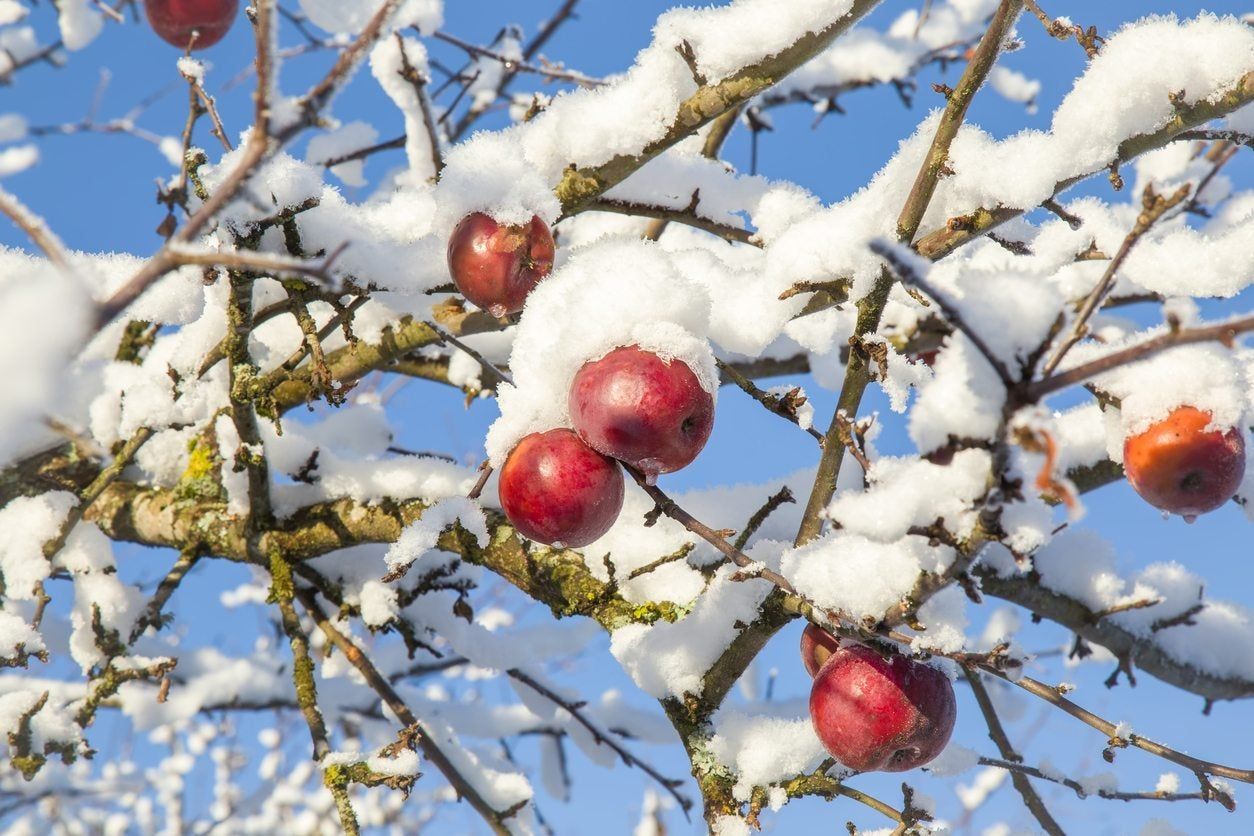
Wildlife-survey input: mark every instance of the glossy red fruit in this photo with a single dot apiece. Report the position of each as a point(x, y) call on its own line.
point(176, 20)
point(496, 266)
point(1183, 468)
point(881, 715)
point(559, 491)
point(816, 646)
point(648, 412)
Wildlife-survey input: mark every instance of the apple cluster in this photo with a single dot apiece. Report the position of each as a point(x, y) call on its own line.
point(564, 486)
point(191, 24)
point(874, 712)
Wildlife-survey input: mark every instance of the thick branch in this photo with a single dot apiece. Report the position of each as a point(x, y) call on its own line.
point(938, 244)
point(582, 186)
point(1029, 593)
point(936, 161)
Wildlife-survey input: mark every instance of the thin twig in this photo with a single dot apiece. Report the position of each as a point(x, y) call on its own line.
point(781, 497)
point(1225, 333)
point(686, 216)
point(564, 13)
point(513, 65)
point(419, 84)
point(1153, 206)
point(209, 106)
point(36, 229)
point(665, 505)
point(603, 737)
point(781, 405)
point(906, 273)
point(1213, 135)
point(151, 616)
point(92, 492)
point(485, 473)
point(260, 263)
point(1081, 792)
point(1197, 766)
point(498, 375)
point(665, 560)
point(381, 686)
point(1031, 799)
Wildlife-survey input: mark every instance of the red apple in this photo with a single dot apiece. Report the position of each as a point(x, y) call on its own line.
point(176, 20)
point(816, 646)
point(496, 266)
point(558, 491)
point(881, 714)
point(649, 412)
point(927, 358)
point(1183, 468)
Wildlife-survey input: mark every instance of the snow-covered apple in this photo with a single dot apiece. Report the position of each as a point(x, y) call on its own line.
point(649, 412)
point(559, 491)
point(878, 714)
point(177, 20)
point(496, 265)
point(1183, 466)
point(817, 645)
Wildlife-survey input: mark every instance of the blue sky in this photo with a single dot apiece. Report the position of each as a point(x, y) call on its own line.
point(97, 193)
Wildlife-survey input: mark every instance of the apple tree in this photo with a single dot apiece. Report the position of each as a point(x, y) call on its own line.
point(576, 255)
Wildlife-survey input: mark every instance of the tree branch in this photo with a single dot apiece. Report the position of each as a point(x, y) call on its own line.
point(580, 187)
point(871, 307)
point(1225, 332)
point(379, 684)
point(998, 735)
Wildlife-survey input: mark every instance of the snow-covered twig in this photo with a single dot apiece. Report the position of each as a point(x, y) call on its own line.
point(785, 406)
point(1153, 207)
point(35, 228)
point(1223, 332)
point(906, 274)
point(261, 144)
point(687, 216)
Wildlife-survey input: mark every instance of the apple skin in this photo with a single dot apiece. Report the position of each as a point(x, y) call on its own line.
point(640, 409)
point(881, 715)
point(817, 645)
point(496, 265)
point(175, 20)
point(558, 491)
point(1183, 468)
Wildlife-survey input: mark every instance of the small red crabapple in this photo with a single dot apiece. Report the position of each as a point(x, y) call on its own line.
point(176, 20)
point(651, 413)
point(1183, 468)
point(496, 265)
point(877, 714)
point(558, 491)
